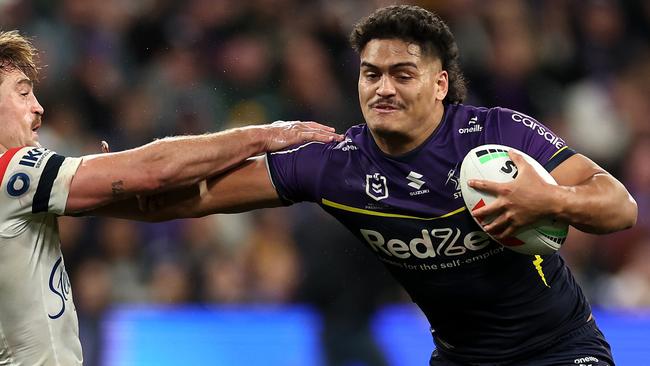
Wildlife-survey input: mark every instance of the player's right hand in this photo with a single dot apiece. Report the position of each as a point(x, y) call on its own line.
point(282, 134)
point(519, 204)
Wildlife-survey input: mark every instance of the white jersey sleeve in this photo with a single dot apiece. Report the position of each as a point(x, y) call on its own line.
point(34, 180)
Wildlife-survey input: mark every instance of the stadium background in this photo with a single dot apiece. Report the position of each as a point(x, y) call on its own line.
point(129, 71)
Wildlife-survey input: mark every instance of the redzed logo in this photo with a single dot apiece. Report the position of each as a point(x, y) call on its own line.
point(431, 243)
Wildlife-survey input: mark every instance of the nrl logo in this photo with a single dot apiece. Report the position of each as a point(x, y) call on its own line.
point(376, 186)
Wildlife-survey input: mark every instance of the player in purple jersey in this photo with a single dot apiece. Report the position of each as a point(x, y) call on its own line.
point(393, 183)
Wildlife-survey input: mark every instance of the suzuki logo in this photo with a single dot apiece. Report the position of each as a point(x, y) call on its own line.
point(416, 182)
point(376, 186)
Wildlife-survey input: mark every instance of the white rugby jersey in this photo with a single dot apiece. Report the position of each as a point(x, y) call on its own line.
point(38, 320)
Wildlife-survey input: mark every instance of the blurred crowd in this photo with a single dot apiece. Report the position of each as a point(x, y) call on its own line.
point(131, 71)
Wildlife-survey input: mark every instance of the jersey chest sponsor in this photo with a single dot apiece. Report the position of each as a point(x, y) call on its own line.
point(431, 243)
point(434, 250)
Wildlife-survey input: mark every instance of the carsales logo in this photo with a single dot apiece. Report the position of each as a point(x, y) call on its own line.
point(541, 130)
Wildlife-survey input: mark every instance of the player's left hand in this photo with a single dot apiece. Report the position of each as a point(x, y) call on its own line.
point(521, 202)
point(282, 134)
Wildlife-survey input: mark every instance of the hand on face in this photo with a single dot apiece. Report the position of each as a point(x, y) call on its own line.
point(521, 202)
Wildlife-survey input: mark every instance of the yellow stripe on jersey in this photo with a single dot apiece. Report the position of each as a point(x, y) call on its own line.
point(538, 265)
point(362, 211)
point(559, 151)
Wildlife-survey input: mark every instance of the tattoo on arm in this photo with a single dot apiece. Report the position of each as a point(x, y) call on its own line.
point(117, 188)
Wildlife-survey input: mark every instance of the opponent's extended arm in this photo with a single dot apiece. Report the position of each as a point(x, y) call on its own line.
point(586, 197)
point(180, 161)
point(245, 187)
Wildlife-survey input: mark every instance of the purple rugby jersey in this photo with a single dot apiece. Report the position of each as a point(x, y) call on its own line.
point(484, 302)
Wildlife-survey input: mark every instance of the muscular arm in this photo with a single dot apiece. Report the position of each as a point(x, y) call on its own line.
point(586, 197)
point(243, 188)
point(590, 199)
point(180, 161)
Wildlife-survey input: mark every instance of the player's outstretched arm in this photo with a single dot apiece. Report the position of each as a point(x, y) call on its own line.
point(180, 161)
point(245, 187)
point(587, 197)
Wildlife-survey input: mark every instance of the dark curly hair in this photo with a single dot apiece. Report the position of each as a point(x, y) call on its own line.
point(415, 24)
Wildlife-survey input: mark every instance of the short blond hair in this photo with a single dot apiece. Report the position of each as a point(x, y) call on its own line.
point(17, 52)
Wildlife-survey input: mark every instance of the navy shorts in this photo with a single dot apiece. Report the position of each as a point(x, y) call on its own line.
point(585, 346)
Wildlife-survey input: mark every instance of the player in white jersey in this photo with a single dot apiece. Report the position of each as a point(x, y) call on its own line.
point(38, 322)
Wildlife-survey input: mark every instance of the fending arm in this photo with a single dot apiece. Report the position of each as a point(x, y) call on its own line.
point(180, 161)
point(245, 187)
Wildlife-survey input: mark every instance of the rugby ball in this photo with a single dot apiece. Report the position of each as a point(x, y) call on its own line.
point(491, 162)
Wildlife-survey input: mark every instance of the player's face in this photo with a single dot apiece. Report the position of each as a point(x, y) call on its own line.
point(400, 91)
point(20, 112)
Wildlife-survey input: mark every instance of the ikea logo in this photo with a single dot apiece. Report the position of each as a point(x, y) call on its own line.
point(31, 158)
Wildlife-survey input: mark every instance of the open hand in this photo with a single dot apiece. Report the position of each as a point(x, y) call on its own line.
point(282, 134)
point(519, 203)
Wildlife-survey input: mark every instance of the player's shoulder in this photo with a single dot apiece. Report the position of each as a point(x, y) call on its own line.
point(493, 118)
point(501, 115)
point(23, 157)
point(464, 112)
point(20, 168)
point(464, 115)
point(26, 156)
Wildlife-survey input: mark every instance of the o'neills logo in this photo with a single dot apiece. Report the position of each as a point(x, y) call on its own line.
point(474, 126)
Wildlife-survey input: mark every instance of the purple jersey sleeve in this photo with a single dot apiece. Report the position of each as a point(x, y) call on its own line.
point(512, 128)
point(296, 172)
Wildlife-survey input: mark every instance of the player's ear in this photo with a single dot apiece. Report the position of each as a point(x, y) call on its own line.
point(442, 83)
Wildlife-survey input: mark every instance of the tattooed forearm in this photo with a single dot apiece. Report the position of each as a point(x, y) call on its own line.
point(117, 188)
